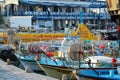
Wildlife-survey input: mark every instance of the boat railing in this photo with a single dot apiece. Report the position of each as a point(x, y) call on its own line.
point(85, 64)
point(33, 13)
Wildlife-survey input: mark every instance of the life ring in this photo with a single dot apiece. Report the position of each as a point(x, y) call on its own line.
point(32, 48)
point(35, 49)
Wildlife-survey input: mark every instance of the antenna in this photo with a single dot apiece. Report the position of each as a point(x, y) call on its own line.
point(81, 14)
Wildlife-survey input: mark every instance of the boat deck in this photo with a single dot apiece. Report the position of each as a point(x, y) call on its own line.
point(11, 72)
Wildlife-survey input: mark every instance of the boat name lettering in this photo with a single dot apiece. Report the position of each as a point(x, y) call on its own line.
point(63, 71)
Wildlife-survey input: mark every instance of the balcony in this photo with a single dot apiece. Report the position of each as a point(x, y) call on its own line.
point(62, 15)
point(65, 15)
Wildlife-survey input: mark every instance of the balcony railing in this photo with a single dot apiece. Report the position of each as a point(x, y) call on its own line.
point(62, 15)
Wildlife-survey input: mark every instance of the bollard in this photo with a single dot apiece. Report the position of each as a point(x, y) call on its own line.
point(75, 73)
point(64, 77)
point(28, 70)
point(8, 61)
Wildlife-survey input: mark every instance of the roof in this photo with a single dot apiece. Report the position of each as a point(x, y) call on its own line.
point(66, 3)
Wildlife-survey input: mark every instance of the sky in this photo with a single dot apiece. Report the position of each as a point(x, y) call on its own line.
point(100, 0)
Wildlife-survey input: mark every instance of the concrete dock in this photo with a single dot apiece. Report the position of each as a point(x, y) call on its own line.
point(11, 72)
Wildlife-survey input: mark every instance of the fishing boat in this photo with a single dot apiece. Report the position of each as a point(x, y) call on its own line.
point(105, 67)
point(29, 60)
point(61, 64)
point(66, 61)
point(103, 74)
point(82, 29)
point(68, 64)
point(28, 52)
point(73, 63)
point(106, 74)
point(27, 55)
point(53, 65)
point(51, 68)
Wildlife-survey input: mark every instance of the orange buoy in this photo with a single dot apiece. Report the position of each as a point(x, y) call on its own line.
point(102, 46)
point(114, 60)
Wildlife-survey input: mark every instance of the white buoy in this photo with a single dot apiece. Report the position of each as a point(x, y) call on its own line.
point(8, 61)
point(28, 70)
point(64, 77)
point(118, 69)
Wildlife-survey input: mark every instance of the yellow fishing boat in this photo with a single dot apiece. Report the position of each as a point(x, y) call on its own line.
point(82, 31)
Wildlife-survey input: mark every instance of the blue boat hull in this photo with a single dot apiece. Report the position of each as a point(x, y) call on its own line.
point(102, 74)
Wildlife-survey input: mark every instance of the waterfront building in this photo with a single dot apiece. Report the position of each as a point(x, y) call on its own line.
point(2, 6)
point(58, 14)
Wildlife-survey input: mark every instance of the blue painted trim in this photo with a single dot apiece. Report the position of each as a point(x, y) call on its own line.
point(97, 77)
